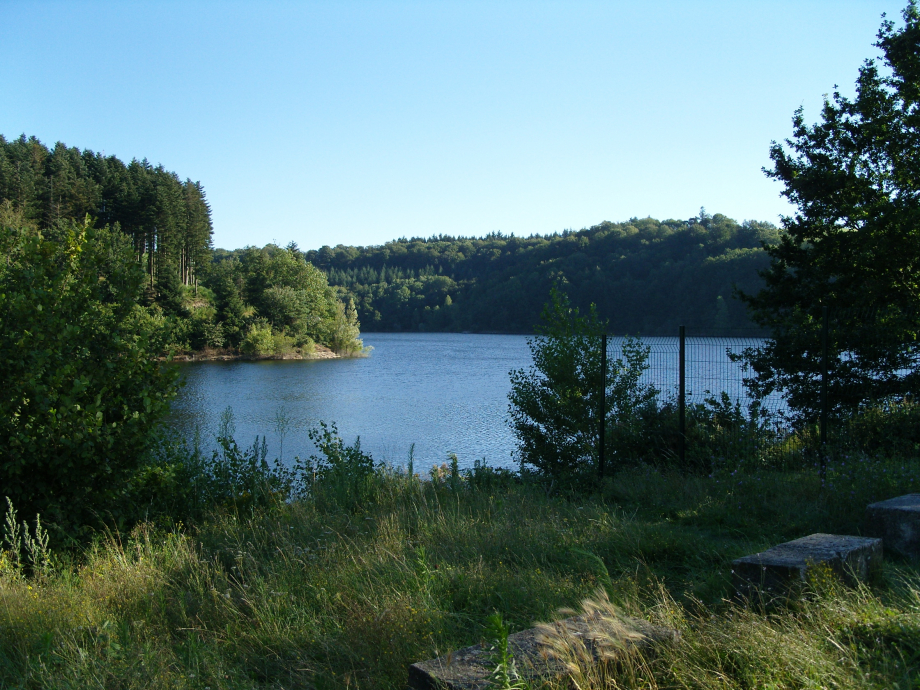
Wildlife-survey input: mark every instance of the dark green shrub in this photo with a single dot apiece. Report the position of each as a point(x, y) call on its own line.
point(890, 429)
point(204, 332)
point(343, 475)
point(555, 405)
point(81, 386)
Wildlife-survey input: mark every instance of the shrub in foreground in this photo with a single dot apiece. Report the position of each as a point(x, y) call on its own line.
point(81, 386)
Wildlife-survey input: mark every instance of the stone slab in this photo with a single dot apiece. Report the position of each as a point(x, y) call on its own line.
point(778, 569)
point(897, 522)
point(471, 667)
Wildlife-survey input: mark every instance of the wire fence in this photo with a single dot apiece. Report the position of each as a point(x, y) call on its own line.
point(846, 389)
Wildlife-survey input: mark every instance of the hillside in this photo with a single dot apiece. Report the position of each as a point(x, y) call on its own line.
point(645, 276)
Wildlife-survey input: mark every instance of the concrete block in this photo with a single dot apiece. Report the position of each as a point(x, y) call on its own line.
point(778, 569)
point(897, 522)
point(471, 667)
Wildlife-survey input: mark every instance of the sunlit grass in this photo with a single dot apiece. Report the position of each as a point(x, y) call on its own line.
point(313, 595)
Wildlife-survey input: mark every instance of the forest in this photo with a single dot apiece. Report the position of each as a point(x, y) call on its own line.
point(646, 277)
point(264, 302)
point(167, 219)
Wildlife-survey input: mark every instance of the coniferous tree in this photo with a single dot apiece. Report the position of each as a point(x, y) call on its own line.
point(853, 245)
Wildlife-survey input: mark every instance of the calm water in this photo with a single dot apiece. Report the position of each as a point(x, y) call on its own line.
point(444, 392)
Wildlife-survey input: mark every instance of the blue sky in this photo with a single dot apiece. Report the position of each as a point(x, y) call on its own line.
point(358, 122)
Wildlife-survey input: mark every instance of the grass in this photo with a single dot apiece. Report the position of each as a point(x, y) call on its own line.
point(346, 594)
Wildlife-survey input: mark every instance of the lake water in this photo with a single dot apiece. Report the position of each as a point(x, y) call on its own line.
point(444, 392)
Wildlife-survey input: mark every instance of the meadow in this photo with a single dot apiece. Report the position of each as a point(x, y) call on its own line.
point(346, 586)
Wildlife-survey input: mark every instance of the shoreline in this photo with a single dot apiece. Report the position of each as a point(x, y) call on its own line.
point(320, 352)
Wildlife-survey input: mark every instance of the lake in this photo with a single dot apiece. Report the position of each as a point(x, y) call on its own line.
point(444, 392)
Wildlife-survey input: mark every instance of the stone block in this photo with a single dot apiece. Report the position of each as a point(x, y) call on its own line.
point(778, 569)
point(897, 522)
point(471, 667)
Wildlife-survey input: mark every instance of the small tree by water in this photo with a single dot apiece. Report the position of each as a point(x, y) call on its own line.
point(555, 406)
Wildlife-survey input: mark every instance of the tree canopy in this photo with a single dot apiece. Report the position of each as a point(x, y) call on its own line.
point(167, 219)
point(853, 244)
point(82, 387)
point(645, 276)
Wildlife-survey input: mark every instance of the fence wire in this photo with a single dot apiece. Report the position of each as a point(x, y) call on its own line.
point(851, 394)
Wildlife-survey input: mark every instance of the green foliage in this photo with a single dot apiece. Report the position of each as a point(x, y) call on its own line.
point(345, 598)
point(241, 478)
point(852, 244)
point(504, 676)
point(81, 385)
point(178, 482)
point(718, 433)
point(168, 220)
point(203, 332)
point(287, 309)
point(231, 310)
point(645, 276)
point(344, 330)
point(342, 474)
point(258, 340)
point(278, 290)
point(891, 430)
point(555, 406)
point(23, 552)
point(169, 292)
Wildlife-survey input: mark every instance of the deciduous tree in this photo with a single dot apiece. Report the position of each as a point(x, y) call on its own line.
point(81, 385)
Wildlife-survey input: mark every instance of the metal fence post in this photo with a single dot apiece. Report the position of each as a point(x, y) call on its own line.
point(602, 417)
point(681, 400)
point(823, 425)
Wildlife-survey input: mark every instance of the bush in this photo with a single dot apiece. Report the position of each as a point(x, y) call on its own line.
point(555, 405)
point(204, 332)
point(341, 475)
point(718, 433)
point(889, 430)
point(258, 340)
point(344, 331)
point(81, 385)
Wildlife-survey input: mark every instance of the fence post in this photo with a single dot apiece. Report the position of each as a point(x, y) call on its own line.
point(823, 426)
point(602, 417)
point(681, 400)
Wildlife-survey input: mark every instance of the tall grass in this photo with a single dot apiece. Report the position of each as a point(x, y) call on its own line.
point(355, 580)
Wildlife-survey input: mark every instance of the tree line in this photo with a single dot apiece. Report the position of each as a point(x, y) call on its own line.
point(261, 301)
point(167, 219)
point(645, 276)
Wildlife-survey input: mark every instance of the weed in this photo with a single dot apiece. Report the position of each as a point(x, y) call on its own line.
point(22, 545)
point(505, 675)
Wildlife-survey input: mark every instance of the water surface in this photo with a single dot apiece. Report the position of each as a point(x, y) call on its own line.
point(444, 392)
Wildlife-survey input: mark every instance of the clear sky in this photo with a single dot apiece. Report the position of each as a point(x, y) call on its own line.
point(357, 122)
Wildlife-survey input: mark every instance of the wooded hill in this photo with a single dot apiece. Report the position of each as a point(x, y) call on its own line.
point(168, 220)
point(645, 276)
point(265, 302)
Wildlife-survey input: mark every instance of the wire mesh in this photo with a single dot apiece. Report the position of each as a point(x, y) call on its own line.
point(869, 361)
